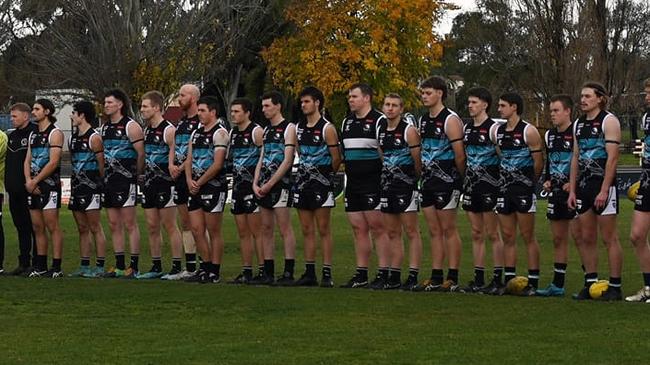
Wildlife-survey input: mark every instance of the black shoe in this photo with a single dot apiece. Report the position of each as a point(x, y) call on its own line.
point(36, 273)
point(285, 280)
point(20, 271)
point(378, 283)
point(493, 288)
point(2, 270)
point(306, 280)
point(411, 284)
point(356, 282)
point(528, 291)
point(326, 282)
point(612, 294)
point(198, 277)
point(241, 279)
point(262, 280)
point(471, 288)
point(583, 294)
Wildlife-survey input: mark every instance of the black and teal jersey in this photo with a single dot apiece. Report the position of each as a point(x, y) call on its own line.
point(645, 162)
point(40, 144)
point(244, 154)
point(360, 152)
point(85, 177)
point(398, 171)
point(156, 152)
point(439, 172)
point(315, 164)
point(517, 168)
point(184, 130)
point(559, 150)
point(121, 157)
point(274, 146)
point(592, 153)
point(204, 144)
point(482, 173)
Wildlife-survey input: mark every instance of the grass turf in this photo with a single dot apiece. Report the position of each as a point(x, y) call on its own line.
point(153, 322)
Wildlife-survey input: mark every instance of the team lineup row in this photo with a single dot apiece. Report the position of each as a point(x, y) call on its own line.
point(394, 168)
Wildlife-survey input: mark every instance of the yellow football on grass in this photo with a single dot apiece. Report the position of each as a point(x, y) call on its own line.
point(596, 289)
point(516, 285)
point(633, 190)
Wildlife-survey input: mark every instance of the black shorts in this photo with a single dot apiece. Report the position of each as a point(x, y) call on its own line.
point(243, 202)
point(642, 200)
point(557, 208)
point(47, 199)
point(440, 200)
point(276, 198)
point(509, 203)
point(211, 201)
point(85, 202)
point(311, 199)
point(158, 196)
point(181, 192)
point(585, 199)
point(479, 203)
point(361, 202)
point(119, 195)
point(400, 202)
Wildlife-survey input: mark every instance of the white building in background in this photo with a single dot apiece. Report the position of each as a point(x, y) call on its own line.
point(63, 100)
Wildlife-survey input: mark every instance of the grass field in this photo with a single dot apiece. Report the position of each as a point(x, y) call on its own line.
point(127, 322)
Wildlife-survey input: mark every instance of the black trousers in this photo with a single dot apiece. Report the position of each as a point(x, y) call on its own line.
point(2, 234)
point(23, 222)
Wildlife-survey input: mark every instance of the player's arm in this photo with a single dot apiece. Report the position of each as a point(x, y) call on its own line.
point(220, 149)
point(534, 142)
point(332, 140)
point(27, 164)
point(455, 134)
point(547, 174)
point(136, 136)
point(97, 146)
point(170, 133)
point(56, 148)
point(188, 161)
point(287, 163)
point(415, 146)
point(573, 174)
point(612, 132)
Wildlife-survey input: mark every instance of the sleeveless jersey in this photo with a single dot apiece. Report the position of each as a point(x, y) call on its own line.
point(315, 165)
point(156, 149)
point(121, 157)
point(184, 130)
point(39, 143)
point(645, 164)
point(592, 156)
point(398, 172)
point(244, 154)
point(85, 168)
point(517, 172)
point(439, 172)
point(362, 163)
point(204, 144)
point(482, 173)
point(274, 145)
point(559, 150)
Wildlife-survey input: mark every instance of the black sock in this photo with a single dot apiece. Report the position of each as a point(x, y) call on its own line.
point(510, 273)
point(289, 265)
point(590, 278)
point(436, 276)
point(327, 270)
point(41, 262)
point(247, 271)
point(383, 273)
point(497, 274)
point(646, 278)
point(362, 273)
point(157, 264)
point(615, 283)
point(394, 276)
point(559, 272)
point(533, 278)
point(260, 269)
point(99, 262)
point(135, 258)
point(216, 269)
point(269, 268)
point(479, 276)
point(119, 261)
point(85, 261)
point(310, 269)
point(176, 264)
point(413, 274)
point(204, 266)
point(190, 262)
point(452, 274)
point(56, 264)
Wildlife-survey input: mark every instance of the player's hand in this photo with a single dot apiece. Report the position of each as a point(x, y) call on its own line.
point(566, 187)
point(140, 180)
point(194, 187)
point(265, 189)
point(601, 199)
point(546, 185)
point(571, 201)
point(31, 186)
point(257, 191)
point(174, 171)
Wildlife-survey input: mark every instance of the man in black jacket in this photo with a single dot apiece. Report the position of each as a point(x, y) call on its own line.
point(15, 184)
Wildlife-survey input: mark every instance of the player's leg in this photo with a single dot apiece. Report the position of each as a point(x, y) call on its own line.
point(267, 220)
point(51, 220)
point(437, 248)
point(117, 237)
point(609, 234)
point(130, 222)
point(169, 223)
point(411, 226)
point(153, 220)
point(491, 227)
point(189, 245)
point(508, 224)
point(380, 238)
point(83, 230)
point(254, 221)
point(526, 223)
point(393, 227)
point(589, 235)
point(478, 249)
point(447, 219)
point(246, 249)
point(362, 248)
point(560, 235)
point(323, 219)
point(93, 218)
point(197, 225)
point(213, 223)
point(308, 226)
point(283, 217)
point(639, 238)
point(38, 225)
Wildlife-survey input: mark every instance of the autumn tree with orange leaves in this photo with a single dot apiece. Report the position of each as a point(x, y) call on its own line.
point(332, 44)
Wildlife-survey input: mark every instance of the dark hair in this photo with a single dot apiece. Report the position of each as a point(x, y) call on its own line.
point(47, 104)
point(275, 96)
point(21, 107)
point(436, 83)
point(211, 102)
point(88, 110)
point(565, 99)
point(481, 93)
point(246, 104)
point(366, 90)
point(646, 83)
point(394, 96)
point(120, 95)
point(315, 94)
point(155, 97)
point(600, 91)
point(514, 98)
